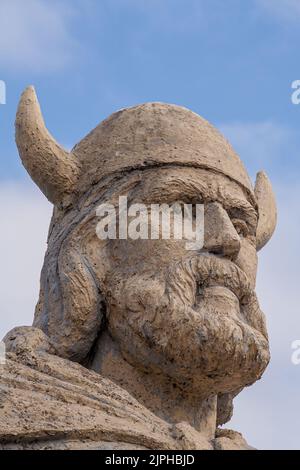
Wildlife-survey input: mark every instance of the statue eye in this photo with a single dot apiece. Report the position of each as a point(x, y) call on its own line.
point(241, 227)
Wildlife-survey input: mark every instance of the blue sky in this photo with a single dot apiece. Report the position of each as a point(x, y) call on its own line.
point(230, 61)
point(233, 62)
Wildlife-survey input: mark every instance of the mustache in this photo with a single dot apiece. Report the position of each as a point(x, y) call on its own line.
point(187, 278)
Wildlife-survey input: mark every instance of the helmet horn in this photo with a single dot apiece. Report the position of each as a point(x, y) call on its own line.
point(52, 168)
point(267, 209)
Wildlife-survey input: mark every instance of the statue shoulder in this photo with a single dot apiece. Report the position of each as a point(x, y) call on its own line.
point(50, 402)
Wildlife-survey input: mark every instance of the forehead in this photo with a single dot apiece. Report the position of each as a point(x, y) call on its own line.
point(192, 185)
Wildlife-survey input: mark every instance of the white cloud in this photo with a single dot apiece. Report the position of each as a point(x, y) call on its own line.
point(25, 216)
point(35, 35)
point(282, 9)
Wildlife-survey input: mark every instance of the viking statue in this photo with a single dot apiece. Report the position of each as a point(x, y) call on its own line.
point(138, 344)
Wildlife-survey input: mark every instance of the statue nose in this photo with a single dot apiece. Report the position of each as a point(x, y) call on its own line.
point(220, 236)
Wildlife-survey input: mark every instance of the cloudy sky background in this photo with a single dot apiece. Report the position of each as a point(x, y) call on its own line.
point(232, 62)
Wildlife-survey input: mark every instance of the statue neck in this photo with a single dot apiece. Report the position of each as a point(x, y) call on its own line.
point(157, 393)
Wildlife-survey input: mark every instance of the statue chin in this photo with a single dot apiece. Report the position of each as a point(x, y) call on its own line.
point(209, 347)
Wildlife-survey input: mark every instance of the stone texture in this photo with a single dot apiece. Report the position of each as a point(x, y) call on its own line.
point(138, 344)
point(226, 439)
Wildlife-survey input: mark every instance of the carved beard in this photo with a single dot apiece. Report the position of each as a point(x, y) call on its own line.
point(198, 322)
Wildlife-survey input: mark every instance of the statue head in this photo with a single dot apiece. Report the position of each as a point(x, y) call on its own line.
point(192, 316)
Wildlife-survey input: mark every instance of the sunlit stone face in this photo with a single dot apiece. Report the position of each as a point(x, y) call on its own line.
point(190, 315)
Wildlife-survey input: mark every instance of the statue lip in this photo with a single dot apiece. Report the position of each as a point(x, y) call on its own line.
point(221, 281)
point(224, 298)
point(217, 290)
point(211, 270)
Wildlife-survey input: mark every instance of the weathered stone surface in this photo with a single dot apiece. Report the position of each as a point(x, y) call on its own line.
point(226, 439)
point(138, 343)
point(49, 402)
